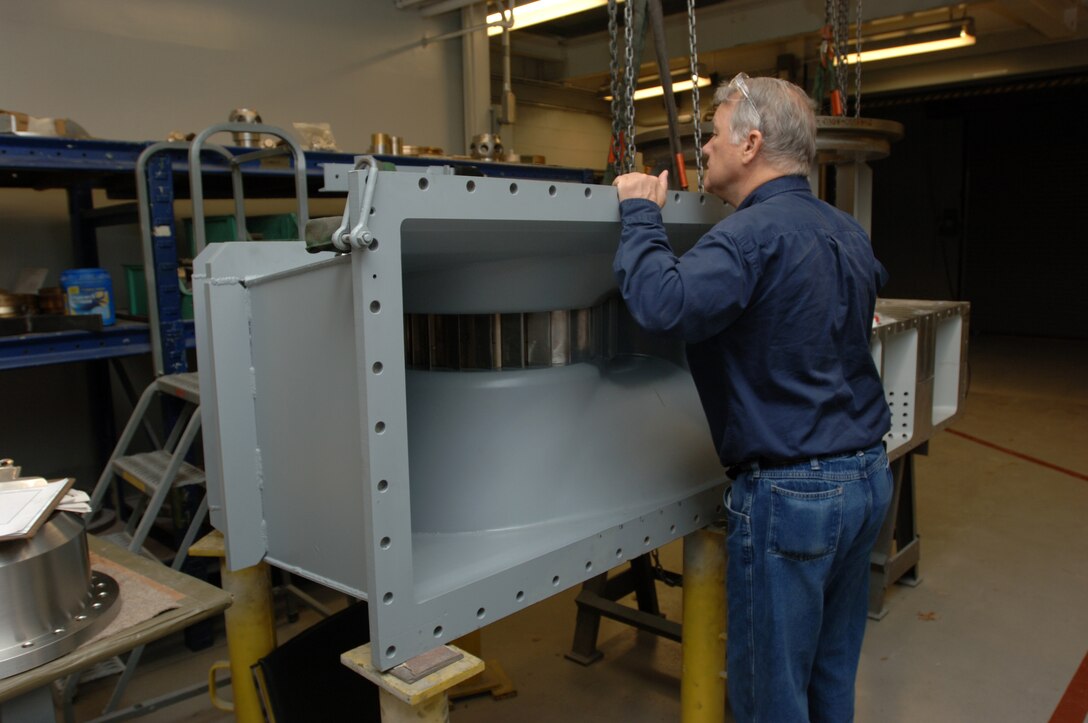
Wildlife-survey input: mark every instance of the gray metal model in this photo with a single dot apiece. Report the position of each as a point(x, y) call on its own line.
point(453, 421)
point(455, 418)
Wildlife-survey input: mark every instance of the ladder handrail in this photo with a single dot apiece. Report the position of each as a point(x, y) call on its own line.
point(196, 181)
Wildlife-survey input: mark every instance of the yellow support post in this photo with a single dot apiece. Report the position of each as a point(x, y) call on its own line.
point(702, 678)
point(251, 628)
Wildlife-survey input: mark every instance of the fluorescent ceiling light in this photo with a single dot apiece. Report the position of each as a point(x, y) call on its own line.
point(678, 86)
point(541, 11)
point(912, 41)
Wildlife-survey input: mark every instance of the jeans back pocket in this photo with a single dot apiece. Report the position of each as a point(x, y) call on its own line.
point(806, 519)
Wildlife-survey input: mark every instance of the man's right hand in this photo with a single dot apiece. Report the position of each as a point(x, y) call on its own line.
point(641, 185)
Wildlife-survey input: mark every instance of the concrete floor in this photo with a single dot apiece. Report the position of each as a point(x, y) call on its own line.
point(994, 632)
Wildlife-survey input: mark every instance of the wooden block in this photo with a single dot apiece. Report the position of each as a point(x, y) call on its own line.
point(359, 660)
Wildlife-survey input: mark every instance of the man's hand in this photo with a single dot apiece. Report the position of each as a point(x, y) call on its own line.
point(640, 185)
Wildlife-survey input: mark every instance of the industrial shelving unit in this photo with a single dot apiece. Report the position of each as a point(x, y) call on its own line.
point(81, 166)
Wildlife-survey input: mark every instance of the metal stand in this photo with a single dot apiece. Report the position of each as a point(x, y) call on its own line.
point(599, 598)
point(422, 701)
point(251, 629)
point(897, 550)
point(702, 675)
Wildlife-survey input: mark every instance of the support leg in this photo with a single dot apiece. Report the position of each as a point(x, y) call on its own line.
point(702, 681)
point(897, 551)
point(251, 628)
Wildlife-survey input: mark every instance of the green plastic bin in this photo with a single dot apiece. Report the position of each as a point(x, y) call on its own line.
point(137, 293)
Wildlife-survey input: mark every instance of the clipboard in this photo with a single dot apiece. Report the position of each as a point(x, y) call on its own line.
point(26, 504)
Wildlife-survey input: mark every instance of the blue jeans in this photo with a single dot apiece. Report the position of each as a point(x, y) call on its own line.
point(798, 582)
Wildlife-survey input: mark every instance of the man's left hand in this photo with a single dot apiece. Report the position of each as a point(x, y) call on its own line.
point(641, 185)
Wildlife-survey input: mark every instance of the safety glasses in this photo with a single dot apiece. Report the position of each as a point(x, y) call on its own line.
point(740, 83)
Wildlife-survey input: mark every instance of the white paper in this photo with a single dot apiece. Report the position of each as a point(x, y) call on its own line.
point(21, 507)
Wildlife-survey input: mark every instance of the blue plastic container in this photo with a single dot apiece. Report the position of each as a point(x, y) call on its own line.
point(89, 291)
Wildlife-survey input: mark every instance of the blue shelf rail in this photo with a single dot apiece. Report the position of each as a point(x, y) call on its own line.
point(125, 338)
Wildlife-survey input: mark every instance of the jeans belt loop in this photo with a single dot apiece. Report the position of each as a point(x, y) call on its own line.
point(755, 470)
point(814, 463)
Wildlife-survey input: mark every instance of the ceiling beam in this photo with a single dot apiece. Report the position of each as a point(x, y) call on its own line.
point(1053, 18)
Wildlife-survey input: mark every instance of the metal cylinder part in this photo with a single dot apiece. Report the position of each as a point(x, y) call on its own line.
point(245, 115)
point(52, 599)
point(381, 143)
point(487, 146)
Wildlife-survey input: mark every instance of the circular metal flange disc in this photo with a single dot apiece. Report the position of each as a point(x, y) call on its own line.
point(840, 139)
point(100, 606)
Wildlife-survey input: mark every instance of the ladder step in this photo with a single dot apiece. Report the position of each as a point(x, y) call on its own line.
point(124, 539)
point(145, 470)
point(185, 386)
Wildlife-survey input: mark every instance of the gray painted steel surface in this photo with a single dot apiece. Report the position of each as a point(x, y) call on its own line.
point(447, 498)
point(450, 498)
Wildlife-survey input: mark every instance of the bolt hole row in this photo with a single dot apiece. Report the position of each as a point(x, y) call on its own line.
point(470, 186)
point(519, 596)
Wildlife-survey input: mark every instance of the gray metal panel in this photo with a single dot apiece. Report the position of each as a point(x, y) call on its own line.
point(575, 427)
point(921, 350)
point(523, 482)
point(303, 349)
point(502, 246)
point(232, 458)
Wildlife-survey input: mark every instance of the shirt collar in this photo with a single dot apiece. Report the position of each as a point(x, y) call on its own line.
point(782, 184)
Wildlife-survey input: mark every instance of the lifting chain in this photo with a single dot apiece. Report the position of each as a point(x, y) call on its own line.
point(857, 65)
point(630, 77)
point(840, 29)
point(696, 110)
point(616, 152)
point(621, 154)
point(833, 75)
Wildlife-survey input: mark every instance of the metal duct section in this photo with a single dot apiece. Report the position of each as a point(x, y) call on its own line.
point(456, 419)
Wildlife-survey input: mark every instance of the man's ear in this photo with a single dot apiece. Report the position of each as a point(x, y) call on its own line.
point(752, 145)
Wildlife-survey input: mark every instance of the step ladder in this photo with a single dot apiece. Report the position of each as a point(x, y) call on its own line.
point(154, 474)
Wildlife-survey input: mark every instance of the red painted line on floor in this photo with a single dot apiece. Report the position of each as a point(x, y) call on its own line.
point(1073, 707)
point(1021, 455)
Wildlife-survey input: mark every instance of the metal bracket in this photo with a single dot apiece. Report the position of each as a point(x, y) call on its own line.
point(360, 236)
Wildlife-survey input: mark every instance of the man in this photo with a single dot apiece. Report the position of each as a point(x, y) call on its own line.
point(776, 305)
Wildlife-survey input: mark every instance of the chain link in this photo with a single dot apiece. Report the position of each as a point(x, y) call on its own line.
point(614, 71)
point(630, 74)
point(857, 65)
point(696, 109)
point(840, 29)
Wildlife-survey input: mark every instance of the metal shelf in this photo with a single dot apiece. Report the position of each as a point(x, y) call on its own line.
point(79, 166)
point(41, 162)
point(124, 338)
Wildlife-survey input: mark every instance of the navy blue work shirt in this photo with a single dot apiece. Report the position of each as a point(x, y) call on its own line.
point(776, 306)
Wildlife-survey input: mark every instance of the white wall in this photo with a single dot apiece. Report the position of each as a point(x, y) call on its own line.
point(564, 138)
point(138, 69)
